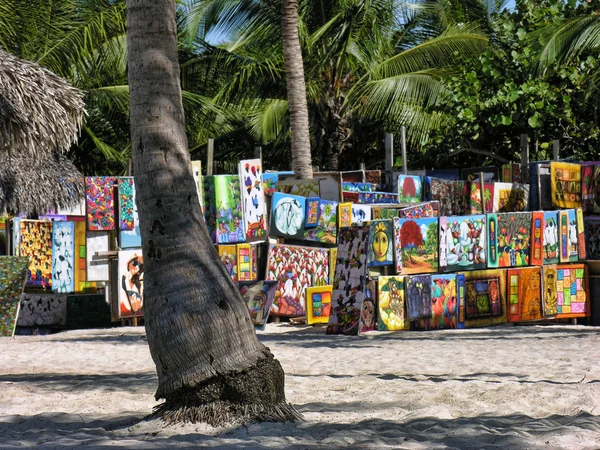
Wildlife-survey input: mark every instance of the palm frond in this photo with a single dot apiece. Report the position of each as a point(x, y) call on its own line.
point(269, 120)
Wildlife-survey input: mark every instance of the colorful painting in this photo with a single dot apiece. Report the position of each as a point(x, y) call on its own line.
point(510, 197)
point(287, 216)
point(589, 186)
point(100, 203)
point(492, 229)
point(353, 186)
point(537, 238)
point(97, 265)
point(514, 239)
point(43, 310)
point(391, 308)
point(429, 209)
point(312, 212)
point(368, 311)
point(384, 212)
point(318, 304)
point(132, 238)
point(475, 198)
point(443, 192)
point(349, 281)
point(573, 236)
point(463, 243)
point(223, 208)
point(13, 274)
point(302, 188)
point(295, 268)
point(571, 291)
point(568, 236)
point(592, 237)
point(417, 291)
point(511, 173)
point(126, 203)
point(36, 243)
point(381, 239)
point(345, 215)
point(269, 179)
point(131, 283)
point(410, 189)
point(80, 261)
point(525, 294)
point(259, 297)
point(228, 255)
point(246, 262)
point(482, 298)
point(550, 295)
point(360, 214)
point(326, 230)
point(63, 257)
point(419, 245)
point(580, 235)
point(253, 199)
point(373, 197)
point(550, 240)
point(566, 184)
point(443, 303)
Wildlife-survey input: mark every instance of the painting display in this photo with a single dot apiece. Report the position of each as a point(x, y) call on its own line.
point(368, 311)
point(360, 214)
point(381, 243)
point(525, 294)
point(410, 189)
point(43, 310)
point(326, 230)
point(345, 215)
point(36, 243)
point(537, 238)
point(97, 265)
point(549, 295)
point(475, 198)
point(318, 304)
point(580, 235)
point(444, 304)
point(223, 208)
point(312, 213)
point(571, 291)
point(228, 255)
point(349, 281)
point(442, 191)
point(100, 200)
point(295, 268)
point(259, 297)
point(482, 298)
point(510, 197)
point(253, 199)
point(287, 216)
point(550, 239)
point(417, 292)
point(463, 243)
point(63, 257)
point(566, 184)
point(80, 261)
point(391, 310)
point(126, 203)
point(131, 283)
point(13, 275)
point(302, 188)
point(568, 236)
point(246, 262)
point(374, 197)
point(514, 239)
point(592, 237)
point(418, 245)
point(429, 209)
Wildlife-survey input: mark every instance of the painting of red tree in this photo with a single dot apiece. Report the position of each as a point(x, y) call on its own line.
point(410, 234)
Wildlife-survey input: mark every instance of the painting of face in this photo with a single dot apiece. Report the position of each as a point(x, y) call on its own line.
point(381, 243)
point(391, 307)
point(131, 279)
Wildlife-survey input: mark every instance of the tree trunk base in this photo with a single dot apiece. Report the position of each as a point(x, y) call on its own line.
point(253, 395)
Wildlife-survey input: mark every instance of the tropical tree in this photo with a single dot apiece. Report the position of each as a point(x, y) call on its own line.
point(210, 365)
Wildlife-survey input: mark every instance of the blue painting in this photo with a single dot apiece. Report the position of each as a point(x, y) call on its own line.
point(63, 257)
point(287, 216)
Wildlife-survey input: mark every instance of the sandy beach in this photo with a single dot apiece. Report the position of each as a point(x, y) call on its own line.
point(509, 387)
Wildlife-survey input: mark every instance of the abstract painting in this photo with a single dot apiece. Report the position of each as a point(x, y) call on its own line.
point(360, 214)
point(550, 296)
point(410, 189)
point(246, 262)
point(42, 310)
point(514, 239)
point(36, 243)
point(368, 311)
point(589, 186)
point(80, 262)
point(318, 304)
point(525, 294)
point(287, 216)
point(510, 197)
point(228, 255)
point(475, 198)
point(481, 298)
point(326, 230)
point(592, 237)
point(131, 283)
point(537, 238)
point(566, 184)
point(345, 215)
point(132, 238)
point(253, 199)
point(429, 209)
point(442, 191)
point(100, 201)
point(443, 302)
point(295, 268)
point(97, 265)
point(419, 245)
point(550, 239)
point(13, 274)
point(259, 297)
point(571, 291)
point(381, 243)
point(63, 257)
point(126, 203)
point(391, 309)
point(223, 208)
point(312, 212)
point(463, 243)
point(374, 197)
point(581, 235)
point(417, 291)
point(349, 281)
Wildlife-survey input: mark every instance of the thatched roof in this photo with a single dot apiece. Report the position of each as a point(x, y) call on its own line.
point(31, 185)
point(39, 111)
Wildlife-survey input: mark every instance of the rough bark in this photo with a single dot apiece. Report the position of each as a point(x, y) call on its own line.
point(296, 90)
point(210, 365)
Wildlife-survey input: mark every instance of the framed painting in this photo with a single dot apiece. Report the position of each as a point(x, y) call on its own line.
point(126, 203)
point(475, 198)
point(550, 238)
point(419, 245)
point(302, 188)
point(537, 238)
point(592, 237)
point(254, 206)
point(428, 209)
point(131, 283)
point(549, 294)
point(417, 291)
point(228, 255)
point(391, 309)
point(384, 212)
point(100, 203)
point(259, 297)
point(525, 294)
point(63, 257)
point(571, 291)
point(360, 214)
point(13, 275)
point(36, 243)
point(444, 305)
point(482, 298)
point(410, 189)
point(229, 221)
point(326, 230)
point(312, 212)
point(97, 265)
point(345, 215)
point(381, 243)
point(318, 304)
point(566, 184)
point(442, 191)
point(246, 262)
point(295, 268)
point(368, 311)
point(580, 235)
point(287, 216)
point(514, 239)
point(463, 243)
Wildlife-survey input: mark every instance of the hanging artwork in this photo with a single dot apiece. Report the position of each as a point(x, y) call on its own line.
point(588, 186)
point(419, 245)
point(318, 304)
point(253, 199)
point(410, 189)
point(345, 215)
point(13, 274)
point(381, 247)
point(391, 309)
point(131, 283)
point(97, 265)
point(36, 243)
point(429, 209)
point(481, 298)
point(246, 262)
point(514, 239)
point(80, 261)
point(580, 235)
point(360, 214)
point(126, 203)
point(510, 197)
point(100, 203)
point(537, 238)
point(43, 310)
point(326, 230)
point(312, 212)
point(287, 216)
point(550, 239)
point(417, 291)
point(259, 297)
point(566, 184)
point(592, 237)
point(463, 243)
point(368, 311)
point(132, 238)
point(475, 198)
point(295, 268)
point(525, 294)
point(349, 281)
point(550, 296)
point(571, 291)
point(228, 255)
point(63, 257)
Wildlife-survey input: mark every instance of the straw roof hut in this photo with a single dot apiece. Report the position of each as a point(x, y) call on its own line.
point(39, 111)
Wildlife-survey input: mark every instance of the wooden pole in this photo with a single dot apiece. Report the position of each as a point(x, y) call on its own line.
point(258, 152)
point(129, 167)
point(210, 155)
point(361, 166)
point(556, 149)
point(403, 144)
point(389, 158)
point(524, 158)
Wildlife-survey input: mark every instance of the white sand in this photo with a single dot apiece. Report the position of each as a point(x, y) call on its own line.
point(522, 387)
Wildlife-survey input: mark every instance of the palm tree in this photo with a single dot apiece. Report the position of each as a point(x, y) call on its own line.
point(211, 366)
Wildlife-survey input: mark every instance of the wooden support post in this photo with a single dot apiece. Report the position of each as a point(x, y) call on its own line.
point(481, 189)
point(524, 158)
point(403, 146)
point(129, 167)
point(389, 159)
point(210, 156)
point(258, 152)
point(361, 166)
point(556, 149)
point(539, 187)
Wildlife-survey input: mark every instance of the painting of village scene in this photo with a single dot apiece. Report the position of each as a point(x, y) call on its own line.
point(326, 230)
point(514, 239)
point(419, 245)
point(463, 243)
point(223, 205)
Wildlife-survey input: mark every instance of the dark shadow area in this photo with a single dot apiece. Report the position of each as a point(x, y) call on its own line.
point(131, 382)
point(121, 339)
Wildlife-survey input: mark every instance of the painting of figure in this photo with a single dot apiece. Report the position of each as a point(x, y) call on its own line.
point(514, 239)
point(63, 257)
point(550, 237)
point(259, 297)
point(463, 243)
point(381, 248)
point(287, 216)
point(419, 245)
point(131, 283)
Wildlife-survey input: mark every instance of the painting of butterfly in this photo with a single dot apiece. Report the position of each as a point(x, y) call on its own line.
point(253, 199)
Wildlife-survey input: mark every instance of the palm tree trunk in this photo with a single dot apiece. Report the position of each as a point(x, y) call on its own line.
point(210, 365)
point(296, 90)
